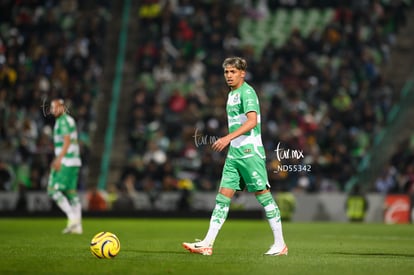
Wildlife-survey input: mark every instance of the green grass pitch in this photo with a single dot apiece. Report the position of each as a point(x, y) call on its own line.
point(153, 246)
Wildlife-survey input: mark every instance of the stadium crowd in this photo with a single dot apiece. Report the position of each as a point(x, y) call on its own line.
point(322, 95)
point(48, 49)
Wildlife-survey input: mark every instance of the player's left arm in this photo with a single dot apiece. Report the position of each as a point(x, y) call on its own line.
point(249, 124)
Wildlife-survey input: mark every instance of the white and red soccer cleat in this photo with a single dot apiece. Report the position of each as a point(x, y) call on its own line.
point(277, 251)
point(199, 248)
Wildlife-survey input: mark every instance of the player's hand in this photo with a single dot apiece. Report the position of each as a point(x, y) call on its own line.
point(221, 143)
point(56, 164)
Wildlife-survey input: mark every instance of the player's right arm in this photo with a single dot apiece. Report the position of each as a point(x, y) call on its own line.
point(57, 162)
point(223, 142)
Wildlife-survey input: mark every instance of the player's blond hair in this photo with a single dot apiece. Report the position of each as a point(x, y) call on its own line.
point(237, 62)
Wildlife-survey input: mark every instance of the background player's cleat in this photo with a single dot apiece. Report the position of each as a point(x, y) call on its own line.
point(199, 247)
point(276, 251)
point(75, 228)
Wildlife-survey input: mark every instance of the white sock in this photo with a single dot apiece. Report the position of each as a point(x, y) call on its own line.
point(212, 233)
point(273, 216)
point(64, 205)
point(76, 208)
point(276, 226)
point(218, 217)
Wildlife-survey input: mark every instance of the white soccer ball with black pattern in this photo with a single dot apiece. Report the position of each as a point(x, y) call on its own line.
point(105, 245)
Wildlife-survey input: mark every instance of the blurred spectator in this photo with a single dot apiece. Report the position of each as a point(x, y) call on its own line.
point(356, 205)
point(407, 179)
point(403, 161)
point(96, 201)
point(6, 176)
point(387, 181)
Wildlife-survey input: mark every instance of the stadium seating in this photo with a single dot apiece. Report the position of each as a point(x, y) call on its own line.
point(332, 78)
point(277, 27)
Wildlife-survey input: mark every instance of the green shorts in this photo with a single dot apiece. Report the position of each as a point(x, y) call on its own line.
point(64, 179)
point(249, 173)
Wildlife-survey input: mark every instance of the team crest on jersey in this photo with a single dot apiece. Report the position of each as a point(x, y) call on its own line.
point(236, 98)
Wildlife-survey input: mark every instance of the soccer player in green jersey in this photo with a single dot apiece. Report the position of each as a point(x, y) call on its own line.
point(245, 166)
point(63, 179)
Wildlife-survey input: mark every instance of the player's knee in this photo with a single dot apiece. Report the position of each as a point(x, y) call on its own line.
point(72, 196)
point(222, 199)
point(50, 192)
point(54, 194)
point(269, 205)
point(265, 198)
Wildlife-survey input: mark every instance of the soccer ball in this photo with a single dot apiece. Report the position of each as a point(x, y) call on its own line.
point(105, 245)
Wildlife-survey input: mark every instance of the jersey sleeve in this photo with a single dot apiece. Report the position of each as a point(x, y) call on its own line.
point(250, 101)
point(64, 127)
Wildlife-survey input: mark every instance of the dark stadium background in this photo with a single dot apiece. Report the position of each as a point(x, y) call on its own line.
point(144, 81)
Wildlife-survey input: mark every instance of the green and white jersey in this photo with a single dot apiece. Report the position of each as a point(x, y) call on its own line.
point(65, 125)
point(239, 103)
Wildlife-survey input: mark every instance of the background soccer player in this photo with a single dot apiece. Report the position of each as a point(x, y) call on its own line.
point(245, 165)
point(63, 179)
